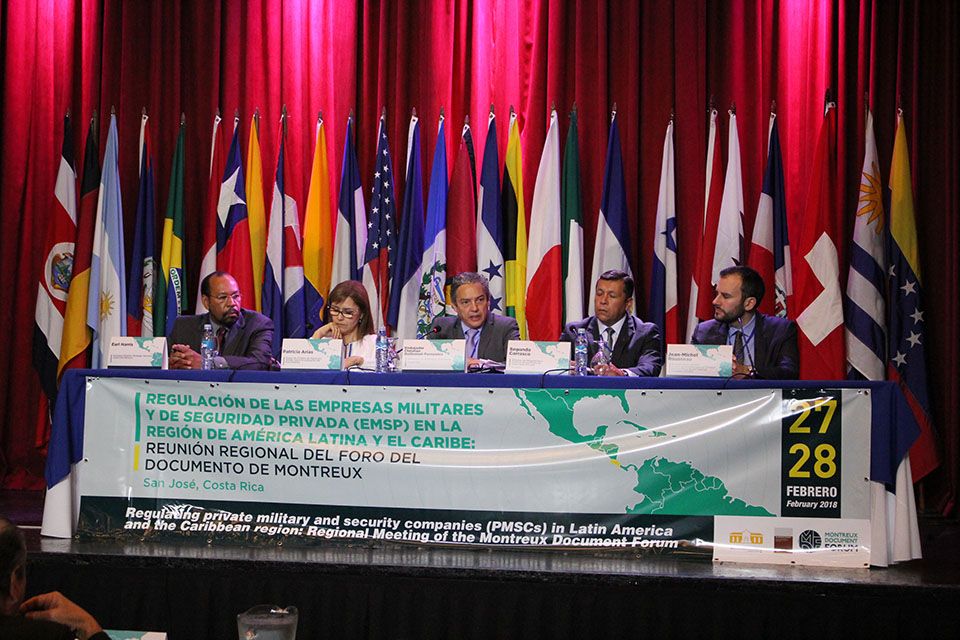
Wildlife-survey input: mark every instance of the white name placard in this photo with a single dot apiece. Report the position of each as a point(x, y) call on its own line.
point(703, 360)
point(529, 356)
point(134, 352)
point(433, 355)
point(311, 353)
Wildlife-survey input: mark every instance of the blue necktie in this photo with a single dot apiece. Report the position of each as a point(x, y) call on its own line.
point(472, 340)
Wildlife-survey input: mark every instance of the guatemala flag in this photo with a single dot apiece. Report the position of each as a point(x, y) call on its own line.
point(432, 297)
point(407, 270)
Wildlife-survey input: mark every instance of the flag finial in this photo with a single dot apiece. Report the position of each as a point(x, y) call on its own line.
point(733, 108)
point(383, 112)
point(413, 112)
point(773, 106)
point(512, 112)
point(672, 112)
point(219, 115)
point(711, 103)
point(143, 112)
point(553, 105)
point(466, 120)
point(320, 116)
point(113, 110)
point(573, 109)
point(236, 114)
point(183, 118)
point(350, 115)
point(441, 112)
point(491, 109)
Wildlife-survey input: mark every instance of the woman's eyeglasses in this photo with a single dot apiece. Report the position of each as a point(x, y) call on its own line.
point(346, 313)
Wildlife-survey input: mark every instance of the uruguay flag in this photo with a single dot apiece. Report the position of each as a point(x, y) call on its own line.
point(613, 232)
point(107, 298)
point(143, 271)
point(351, 233)
point(432, 297)
point(407, 269)
point(283, 294)
point(233, 230)
point(490, 220)
point(663, 288)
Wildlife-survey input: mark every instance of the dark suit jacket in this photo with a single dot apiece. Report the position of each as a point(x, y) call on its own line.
point(775, 351)
point(248, 344)
point(638, 347)
point(20, 628)
point(497, 331)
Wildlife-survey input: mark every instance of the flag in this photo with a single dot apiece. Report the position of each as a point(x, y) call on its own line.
point(515, 228)
point(170, 301)
point(818, 296)
point(350, 240)
point(663, 288)
point(907, 364)
point(571, 228)
point(317, 233)
point(283, 295)
point(544, 269)
point(462, 210)
point(54, 282)
point(432, 298)
point(381, 230)
point(218, 159)
point(770, 246)
point(106, 300)
point(143, 265)
point(233, 224)
point(864, 308)
point(490, 219)
point(76, 334)
point(610, 249)
point(728, 250)
point(256, 213)
point(701, 287)
point(407, 272)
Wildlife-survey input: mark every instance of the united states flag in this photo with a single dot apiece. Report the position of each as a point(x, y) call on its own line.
point(381, 230)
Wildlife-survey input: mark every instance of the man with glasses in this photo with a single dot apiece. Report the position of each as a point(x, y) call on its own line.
point(244, 337)
point(486, 333)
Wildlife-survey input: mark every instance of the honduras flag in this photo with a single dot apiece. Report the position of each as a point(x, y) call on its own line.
point(432, 296)
point(407, 268)
point(107, 299)
point(490, 219)
point(351, 233)
point(613, 233)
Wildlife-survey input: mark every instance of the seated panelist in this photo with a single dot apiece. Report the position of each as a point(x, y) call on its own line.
point(486, 333)
point(634, 344)
point(763, 346)
point(244, 337)
point(347, 317)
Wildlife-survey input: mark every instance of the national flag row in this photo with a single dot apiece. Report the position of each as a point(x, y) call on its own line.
point(474, 223)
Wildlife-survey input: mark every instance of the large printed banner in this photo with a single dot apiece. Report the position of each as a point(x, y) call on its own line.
point(764, 475)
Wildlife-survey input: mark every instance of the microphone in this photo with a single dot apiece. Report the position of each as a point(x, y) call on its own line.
point(433, 331)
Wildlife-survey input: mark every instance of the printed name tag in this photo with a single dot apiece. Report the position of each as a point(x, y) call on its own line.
point(703, 360)
point(311, 353)
point(134, 352)
point(433, 355)
point(529, 356)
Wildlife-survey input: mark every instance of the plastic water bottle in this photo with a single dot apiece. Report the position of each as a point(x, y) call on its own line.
point(580, 353)
point(383, 351)
point(208, 347)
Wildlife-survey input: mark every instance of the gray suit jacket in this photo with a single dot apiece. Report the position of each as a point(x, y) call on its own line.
point(496, 332)
point(638, 347)
point(248, 344)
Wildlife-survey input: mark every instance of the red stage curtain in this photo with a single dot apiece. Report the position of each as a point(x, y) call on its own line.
point(335, 56)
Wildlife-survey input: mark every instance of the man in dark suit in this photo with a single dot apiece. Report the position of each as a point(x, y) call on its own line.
point(244, 337)
point(49, 616)
point(763, 346)
point(486, 333)
point(634, 344)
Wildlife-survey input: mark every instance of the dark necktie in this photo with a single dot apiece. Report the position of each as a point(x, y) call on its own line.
point(738, 347)
point(609, 340)
point(221, 338)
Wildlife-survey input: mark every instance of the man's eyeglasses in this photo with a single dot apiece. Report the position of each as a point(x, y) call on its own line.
point(223, 297)
point(346, 313)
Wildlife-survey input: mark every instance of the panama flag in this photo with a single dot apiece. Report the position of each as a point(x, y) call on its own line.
point(283, 295)
point(462, 210)
point(432, 298)
point(663, 287)
point(350, 240)
point(544, 268)
point(107, 298)
point(169, 301)
point(489, 218)
point(233, 230)
point(256, 213)
point(770, 246)
point(317, 233)
point(218, 159)
point(572, 228)
point(613, 233)
point(76, 333)
point(908, 364)
point(515, 227)
point(381, 230)
point(818, 295)
point(54, 281)
point(864, 308)
point(143, 266)
point(406, 273)
point(701, 287)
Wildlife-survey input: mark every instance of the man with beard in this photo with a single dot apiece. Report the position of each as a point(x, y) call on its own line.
point(763, 346)
point(244, 337)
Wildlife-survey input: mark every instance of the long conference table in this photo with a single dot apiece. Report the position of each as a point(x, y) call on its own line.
point(893, 430)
